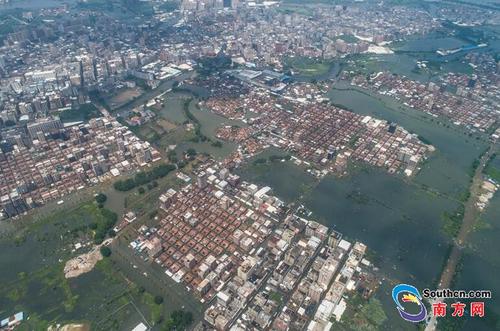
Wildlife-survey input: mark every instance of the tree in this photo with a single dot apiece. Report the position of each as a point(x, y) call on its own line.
point(158, 299)
point(101, 198)
point(144, 177)
point(191, 152)
point(141, 190)
point(105, 251)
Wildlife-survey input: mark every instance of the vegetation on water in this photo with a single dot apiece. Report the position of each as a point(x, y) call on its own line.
point(361, 314)
point(217, 143)
point(199, 136)
point(144, 177)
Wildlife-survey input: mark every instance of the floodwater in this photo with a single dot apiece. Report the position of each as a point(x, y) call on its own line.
point(397, 218)
point(447, 169)
point(173, 111)
point(266, 174)
point(481, 266)
point(420, 244)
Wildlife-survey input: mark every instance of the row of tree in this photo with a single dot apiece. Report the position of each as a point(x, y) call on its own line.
point(144, 177)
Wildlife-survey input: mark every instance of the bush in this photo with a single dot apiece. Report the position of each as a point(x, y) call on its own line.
point(101, 198)
point(158, 300)
point(105, 251)
point(141, 190)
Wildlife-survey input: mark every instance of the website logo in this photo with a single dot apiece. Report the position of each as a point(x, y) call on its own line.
point(407, 294)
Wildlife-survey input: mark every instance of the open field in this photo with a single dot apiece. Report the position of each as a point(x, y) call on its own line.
point(307, 67)
point(123, 97)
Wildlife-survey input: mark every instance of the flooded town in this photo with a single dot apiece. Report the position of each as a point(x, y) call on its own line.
point(249, 165)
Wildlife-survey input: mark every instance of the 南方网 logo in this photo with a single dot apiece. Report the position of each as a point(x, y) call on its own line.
point(410, 294)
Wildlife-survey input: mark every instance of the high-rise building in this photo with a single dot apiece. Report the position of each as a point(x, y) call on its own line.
point(45, 125)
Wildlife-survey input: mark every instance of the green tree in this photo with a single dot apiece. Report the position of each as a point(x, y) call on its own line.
point(191, 152)
point(101, 198)
point(105, 251)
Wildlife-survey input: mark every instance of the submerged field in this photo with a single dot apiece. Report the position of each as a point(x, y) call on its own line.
point(110, 297)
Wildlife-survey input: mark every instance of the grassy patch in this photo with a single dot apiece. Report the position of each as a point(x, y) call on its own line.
point(492, 168)
point(307, 67)
point(361, 314)
point(453, 221)
point(156, 309)
point(348, 38)
point(83, 113)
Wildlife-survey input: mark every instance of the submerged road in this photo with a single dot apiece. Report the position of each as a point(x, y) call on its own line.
point(471, 215)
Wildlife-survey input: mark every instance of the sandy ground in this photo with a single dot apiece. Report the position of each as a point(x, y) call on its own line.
point(124, 96)
point(379, 50)
point(84, 263)
point(70, 327)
